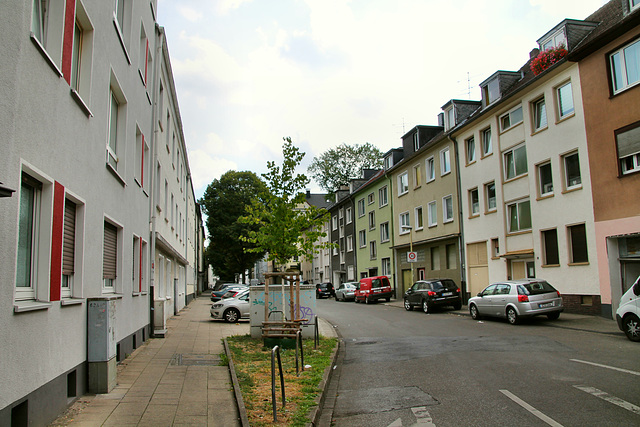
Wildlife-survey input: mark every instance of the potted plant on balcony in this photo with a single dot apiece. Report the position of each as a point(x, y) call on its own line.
point(547, 58)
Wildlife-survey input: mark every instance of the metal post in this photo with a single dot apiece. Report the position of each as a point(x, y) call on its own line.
point(274, 351)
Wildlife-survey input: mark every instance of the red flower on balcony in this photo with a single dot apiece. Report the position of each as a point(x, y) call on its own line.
point(547, 58)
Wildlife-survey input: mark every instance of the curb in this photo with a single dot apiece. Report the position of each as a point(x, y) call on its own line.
point(242, 410)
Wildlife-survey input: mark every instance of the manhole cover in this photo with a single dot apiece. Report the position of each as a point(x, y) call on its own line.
point(195, 360)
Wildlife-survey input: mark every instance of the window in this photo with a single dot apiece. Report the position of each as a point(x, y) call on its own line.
point(539, 115)
point(633, 4)
point(335, 247)
point(625, 66)
point(403, 183)
point(515, 162)
point(116, 123)
point(417, 175)
point(362, 238)
point(470, 146)
point(416, 142)
point(431, 169)
point(449, 118)
point(373, 253)
point(138, 275)
point(47, 26)
point(372, 220)
point(545, 180)
point(349, 243)
point(122, 22)
point(404, 222)
point(434, 254)
point(445, 162)
point(418, 215)
point(143, 62)
point(348, 215)
point(486, 142)
point(386, 266)
point(490, 196)
point(81, 54)
point(474, 202)
point(491, 91)
point(628, 144)
point(370, 199)
point(495, 248)
point(110, 255)
point(383, 197)
point(360, 208)
point(565, 100)
point(432, 214)
point(550, 247)
point(451, 256)
point(334, 223)
point(447, 209)
point(28, 233)
point(68, 248)
point(511, 119)
point(384, 232)
point(578, 243)
point(519, 216)
point(388, 162)
point(555, 40)
point(572, 171)
point(341, 215)
point(142, 160)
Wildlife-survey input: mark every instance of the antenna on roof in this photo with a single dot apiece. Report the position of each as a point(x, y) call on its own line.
point(397, 124)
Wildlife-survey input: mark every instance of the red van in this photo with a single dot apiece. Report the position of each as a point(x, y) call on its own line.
point(374, 288)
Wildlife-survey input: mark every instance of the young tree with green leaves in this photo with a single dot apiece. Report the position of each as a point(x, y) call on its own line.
point(282, 226)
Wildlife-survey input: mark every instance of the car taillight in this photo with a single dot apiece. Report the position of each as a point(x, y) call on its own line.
point(558, 292)
point(523, 298)
point(458, 290)
point(431, 294)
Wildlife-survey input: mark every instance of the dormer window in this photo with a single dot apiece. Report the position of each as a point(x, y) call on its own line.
point(556, 39)
point(388, 162)
point(449, 118)
point(490, 92)
point(416, 142)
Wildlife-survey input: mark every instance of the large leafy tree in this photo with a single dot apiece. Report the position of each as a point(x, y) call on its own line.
point(224, 201)
point(286, 228)
point(337, 166)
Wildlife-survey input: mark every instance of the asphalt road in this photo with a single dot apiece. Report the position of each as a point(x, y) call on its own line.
point(399, 368)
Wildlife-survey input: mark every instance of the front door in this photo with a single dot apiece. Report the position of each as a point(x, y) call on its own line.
point(407, 281)
point(522, 269)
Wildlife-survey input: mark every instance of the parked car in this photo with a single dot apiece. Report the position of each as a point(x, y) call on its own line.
point(628, 313)
point(216, 295)
point(374, 288)
point(430, 293)
point(515, 299)
point(232, 309)
point(324, 290)
point(347, 291)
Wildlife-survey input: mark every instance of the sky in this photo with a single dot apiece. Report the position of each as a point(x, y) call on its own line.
point(325, 72)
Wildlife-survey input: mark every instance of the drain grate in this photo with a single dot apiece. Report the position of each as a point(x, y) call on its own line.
point(195, 360)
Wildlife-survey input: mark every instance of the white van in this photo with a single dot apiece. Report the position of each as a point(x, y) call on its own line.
point(628, 314)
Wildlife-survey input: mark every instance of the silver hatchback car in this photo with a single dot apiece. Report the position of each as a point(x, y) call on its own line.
point(232, 309)
point(514, 299)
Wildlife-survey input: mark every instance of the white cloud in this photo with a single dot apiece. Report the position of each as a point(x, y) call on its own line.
point(225, 6)
point(575, 9)
point(190, 14)
point(205, 168)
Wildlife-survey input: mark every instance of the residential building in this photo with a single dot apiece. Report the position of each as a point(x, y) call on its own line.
point(610, 84)
point(312, 269)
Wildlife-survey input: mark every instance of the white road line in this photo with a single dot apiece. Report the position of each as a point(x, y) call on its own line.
point(531, 409)
point(626, 371)
point(423, 418)
point(396, 423)
point(611, 399)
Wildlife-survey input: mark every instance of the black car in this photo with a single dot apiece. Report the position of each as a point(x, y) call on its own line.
point(324, 290)
point(430, 293)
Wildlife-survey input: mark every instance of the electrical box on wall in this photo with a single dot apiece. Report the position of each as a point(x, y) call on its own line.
point(101, 330)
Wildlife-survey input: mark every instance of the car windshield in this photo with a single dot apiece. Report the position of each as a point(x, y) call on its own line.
point(535, 288)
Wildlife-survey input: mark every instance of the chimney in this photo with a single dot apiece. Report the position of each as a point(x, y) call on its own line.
point(308, 193)
point(535, 52)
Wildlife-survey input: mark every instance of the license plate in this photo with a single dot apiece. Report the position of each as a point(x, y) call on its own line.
point(447, 294)
point(548, 304)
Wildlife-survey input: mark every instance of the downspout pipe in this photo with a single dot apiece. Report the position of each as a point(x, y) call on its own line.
point(463, 264)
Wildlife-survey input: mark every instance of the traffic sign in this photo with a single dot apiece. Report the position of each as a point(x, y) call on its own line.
point(412, 256)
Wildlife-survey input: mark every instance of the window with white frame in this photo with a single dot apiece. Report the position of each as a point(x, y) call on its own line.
point(555, 40)
point(372, 220)
point(386, 266)
point(447, 209)
point(370, 199)
point(418, 218)
point(417, 175)
point(416, 142)
point(122, 21)
point(432, 214)
point(138, 265)
point(403, 183)
point(634, 4)
point(512, 118)
point(539, 114)
point(431, 169)
point(470, 148)
point(384, 232)
point(578, 252)
point(360, 208)
point(550, 254)
point(545, 179)
point(491, 91)
point(348, 215)
point(362, 238)
point(474, 202)
point(487, 148)
point(116, 121)
point(388, 162)
point(434, 255)
point(404, 223)
point(335, 247)
point(625, 67)
point(109, 257)
point(143, 60)
point(572, 176)
point(373, 251)
point(519, 214)
point(81, 57)
point(350, 243)
point(68, 248)
point(515, 162)
point(490, 196)
point(341, 214)
point(445, 161)
point(449, 118)
point(628, 145)
point(47, 25)
point(565, 100)
point(142, 160)
point(28, 238)
point(383, 197)
point(334, 223)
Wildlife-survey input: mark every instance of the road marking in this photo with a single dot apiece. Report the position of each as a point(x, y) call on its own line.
point(611, 399)
point(626, 371)
point(396, 423)
point(423, 418)
point(531, 409)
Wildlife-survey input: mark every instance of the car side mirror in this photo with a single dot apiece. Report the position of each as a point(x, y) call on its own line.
point(480, 294)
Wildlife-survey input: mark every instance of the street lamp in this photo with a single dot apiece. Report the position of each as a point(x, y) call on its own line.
point(410, 228)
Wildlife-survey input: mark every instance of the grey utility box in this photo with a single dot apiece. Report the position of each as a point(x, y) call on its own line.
point(101, 343)
point(279, 299)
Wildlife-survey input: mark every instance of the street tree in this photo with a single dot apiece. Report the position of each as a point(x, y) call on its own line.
point(224, 202)
point(282, 225)
point(337, 166)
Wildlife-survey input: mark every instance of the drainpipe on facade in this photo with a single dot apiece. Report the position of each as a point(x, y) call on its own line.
point(463, 265)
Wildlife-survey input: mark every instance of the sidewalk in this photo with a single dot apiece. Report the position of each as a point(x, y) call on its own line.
point(169, 381)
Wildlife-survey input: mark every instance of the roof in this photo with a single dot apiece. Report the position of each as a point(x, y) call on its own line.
point(317, 200)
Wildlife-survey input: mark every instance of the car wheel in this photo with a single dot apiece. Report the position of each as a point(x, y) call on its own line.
point(388, 299)
point(631, 325)
point(457, 306)
point(473, 310)
point(367, 300)
point(512, 316)
point(336, 297)
point(356, 300)
point(553, 316)
point(231, 315)
point(407, 305)
point(425, 306)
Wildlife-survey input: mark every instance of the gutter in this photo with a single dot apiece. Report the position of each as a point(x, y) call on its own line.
point(463, 264)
